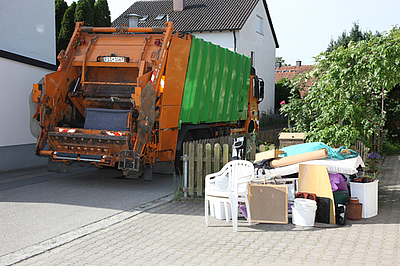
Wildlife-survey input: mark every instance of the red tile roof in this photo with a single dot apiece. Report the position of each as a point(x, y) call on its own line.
point(290, 71)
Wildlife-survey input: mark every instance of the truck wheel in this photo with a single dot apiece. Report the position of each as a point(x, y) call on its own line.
point(206, 135)
point(148, 173)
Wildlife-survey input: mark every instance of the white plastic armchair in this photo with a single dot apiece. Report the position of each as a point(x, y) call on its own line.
point(230, 186)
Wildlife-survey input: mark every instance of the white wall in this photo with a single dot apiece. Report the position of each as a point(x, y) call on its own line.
point(224, 38)
point(264, 46)
point(16, 79)
point(27, 30)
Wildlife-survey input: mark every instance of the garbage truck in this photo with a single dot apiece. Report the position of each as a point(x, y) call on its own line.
point(129, 97)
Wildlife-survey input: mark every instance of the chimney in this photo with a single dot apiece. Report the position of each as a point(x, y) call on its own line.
point(133, 20)
point(179, 5)
point(278, 64)
point(298, 64)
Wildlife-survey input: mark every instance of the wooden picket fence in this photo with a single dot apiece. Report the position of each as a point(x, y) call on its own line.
point(203, 157)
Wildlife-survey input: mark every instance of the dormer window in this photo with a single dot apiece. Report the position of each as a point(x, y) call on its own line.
point(160, 17)
point(143, 19)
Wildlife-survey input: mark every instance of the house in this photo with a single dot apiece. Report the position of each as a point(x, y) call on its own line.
point(290, 72)
point(243, 26)
point(27, 53)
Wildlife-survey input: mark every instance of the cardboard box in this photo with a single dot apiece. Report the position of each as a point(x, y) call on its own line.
point(288, 139)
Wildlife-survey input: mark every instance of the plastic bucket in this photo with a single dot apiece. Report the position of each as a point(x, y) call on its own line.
point(304, 203)
point(303, 216)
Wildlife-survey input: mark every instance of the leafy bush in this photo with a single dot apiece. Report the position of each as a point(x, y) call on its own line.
point(344, 102)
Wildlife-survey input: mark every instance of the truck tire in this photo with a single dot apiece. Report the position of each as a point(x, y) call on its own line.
point(206, 135)
point(148, 173)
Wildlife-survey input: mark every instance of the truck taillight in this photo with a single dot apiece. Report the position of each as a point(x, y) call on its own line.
point(66, 130)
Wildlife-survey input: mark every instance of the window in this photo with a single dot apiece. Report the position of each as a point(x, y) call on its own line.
point(252, 58)
point(143, 19)
point(160, 17)
point(259, 25)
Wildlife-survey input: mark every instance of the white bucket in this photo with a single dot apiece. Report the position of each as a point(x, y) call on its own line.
point(303, 216)
point(304, 203)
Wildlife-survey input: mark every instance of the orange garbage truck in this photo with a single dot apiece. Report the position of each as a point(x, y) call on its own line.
point(129, 97)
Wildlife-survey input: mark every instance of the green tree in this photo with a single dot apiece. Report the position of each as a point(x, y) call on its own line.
point(91, 2)
point(61, 6)
point(67, 28)
point(355, 35)
point(349, 85)
point(102, 15)
point(282, 92)
point(280, 59)
point(84, 12)
point(392, 107)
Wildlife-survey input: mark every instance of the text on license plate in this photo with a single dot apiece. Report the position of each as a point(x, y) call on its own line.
point(113, 59)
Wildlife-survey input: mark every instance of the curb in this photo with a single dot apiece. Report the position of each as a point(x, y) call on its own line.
point(65, 238)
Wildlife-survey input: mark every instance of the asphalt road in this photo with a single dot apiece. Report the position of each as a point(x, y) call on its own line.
point(36, 205)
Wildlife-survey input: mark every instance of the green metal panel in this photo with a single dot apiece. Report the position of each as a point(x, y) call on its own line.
point(217, 85)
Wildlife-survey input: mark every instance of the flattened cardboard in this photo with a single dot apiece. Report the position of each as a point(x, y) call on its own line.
point(268, 203)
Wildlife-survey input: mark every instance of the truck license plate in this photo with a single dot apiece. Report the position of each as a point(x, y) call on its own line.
point(113, 59)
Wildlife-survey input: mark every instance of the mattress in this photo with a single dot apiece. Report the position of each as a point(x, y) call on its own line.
point(334, 166)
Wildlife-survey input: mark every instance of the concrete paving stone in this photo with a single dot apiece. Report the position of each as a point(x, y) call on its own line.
point(295, 261)
point(178, 234)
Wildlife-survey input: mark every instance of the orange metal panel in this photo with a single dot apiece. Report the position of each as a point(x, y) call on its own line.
point(169, 116)
point(170, 145)
point(176, 71)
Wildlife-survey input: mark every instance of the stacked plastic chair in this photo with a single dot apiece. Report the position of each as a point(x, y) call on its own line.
point(230, 186)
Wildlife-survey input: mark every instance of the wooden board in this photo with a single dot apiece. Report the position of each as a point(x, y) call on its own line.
point(315, 179)
point(291, 136)
point(268, 154)
point(268, 203)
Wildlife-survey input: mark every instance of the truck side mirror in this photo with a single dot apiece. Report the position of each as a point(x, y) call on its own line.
point(261, 90)
point(256, 92)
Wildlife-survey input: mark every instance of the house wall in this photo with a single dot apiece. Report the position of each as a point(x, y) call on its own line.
point(264, 47)
point(223, 38)
point(27, 53)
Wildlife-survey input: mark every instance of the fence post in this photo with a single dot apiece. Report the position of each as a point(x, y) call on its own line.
point(252, 151)
point(199, 169)
point(262, 147)
point(217, 157)
point(208, 158)
point(191, 168)
point(225, 154)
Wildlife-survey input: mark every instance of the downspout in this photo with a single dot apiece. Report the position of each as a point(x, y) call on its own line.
point(234, 41)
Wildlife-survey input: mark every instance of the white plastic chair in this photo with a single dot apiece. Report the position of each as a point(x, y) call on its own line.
point(230, 186)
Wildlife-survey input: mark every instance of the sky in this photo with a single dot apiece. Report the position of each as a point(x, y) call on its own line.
point(304, 28)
